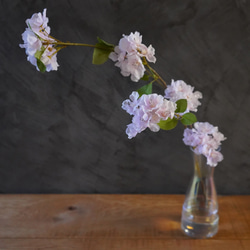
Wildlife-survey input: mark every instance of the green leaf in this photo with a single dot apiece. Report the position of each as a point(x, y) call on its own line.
point(39, 53)
point(102, 42)
point(40, 65)
point(188, 119)
point(168, 124)
point(102, 51)
point(181, 106)
point(145, 77)
point(100, 56)
point(146, 89)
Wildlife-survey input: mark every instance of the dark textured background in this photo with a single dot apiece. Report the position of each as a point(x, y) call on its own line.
point(64, 131)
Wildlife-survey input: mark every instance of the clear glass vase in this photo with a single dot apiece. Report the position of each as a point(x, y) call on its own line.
point(200, 209)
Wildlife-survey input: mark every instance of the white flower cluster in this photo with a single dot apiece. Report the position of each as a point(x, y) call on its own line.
point(147, 111)
point(128, 56)
point(180, 90)
point(37, 42)
point(132, 56)
point(206, 140)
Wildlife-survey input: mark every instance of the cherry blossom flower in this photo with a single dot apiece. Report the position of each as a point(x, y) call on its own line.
point(38, 44)
point(31, 42)
point(131, 104)
point(180, 90)
point(147, 111)
point(134, 66)
point(128, 56)
point(213, 157)
point(206, 140)
point(131, 131)
point(165, 111)
point(49, 58)
point(39, 22)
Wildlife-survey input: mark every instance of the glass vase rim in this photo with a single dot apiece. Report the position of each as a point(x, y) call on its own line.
point(192, 149)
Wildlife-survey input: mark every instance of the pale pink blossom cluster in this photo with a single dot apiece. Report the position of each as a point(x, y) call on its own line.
point(147, 111)
point(128, 56)
point(205, 139)
point(37, 42)
point(180, 90)
point(131, 56)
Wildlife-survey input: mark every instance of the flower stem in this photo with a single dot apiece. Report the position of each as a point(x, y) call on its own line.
point(65, 44)
point(154, 74)
point(74, 44)
point(158, 76)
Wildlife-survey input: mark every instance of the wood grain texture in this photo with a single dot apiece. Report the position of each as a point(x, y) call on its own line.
point(123, 244)
point(114, 222)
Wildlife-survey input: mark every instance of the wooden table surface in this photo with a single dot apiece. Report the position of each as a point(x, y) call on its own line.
point(108, 222)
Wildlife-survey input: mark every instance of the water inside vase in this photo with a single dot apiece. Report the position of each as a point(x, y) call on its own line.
point(200, 221)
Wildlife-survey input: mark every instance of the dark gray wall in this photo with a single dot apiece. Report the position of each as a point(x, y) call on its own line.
point(64, 131)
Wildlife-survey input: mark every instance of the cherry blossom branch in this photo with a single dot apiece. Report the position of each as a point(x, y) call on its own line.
point(149, 110)
point(79, 44)
point(158, 77)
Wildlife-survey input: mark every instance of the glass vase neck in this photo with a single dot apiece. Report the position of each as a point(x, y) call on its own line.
point(201, 169)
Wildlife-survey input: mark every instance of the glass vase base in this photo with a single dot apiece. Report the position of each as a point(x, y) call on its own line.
point(199, 230)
